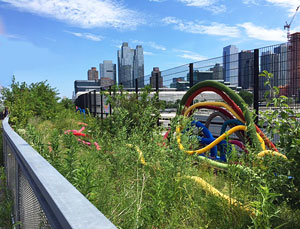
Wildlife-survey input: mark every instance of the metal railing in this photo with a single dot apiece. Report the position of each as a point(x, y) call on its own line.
point(42, 197)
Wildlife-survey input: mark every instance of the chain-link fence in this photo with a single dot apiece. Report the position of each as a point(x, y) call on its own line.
point(42, 197)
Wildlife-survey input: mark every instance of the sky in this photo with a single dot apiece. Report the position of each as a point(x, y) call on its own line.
point(59, 40)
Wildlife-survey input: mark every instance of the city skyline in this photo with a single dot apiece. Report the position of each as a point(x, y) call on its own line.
point(46, 40)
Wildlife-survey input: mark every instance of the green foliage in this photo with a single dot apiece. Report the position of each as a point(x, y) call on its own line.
point(265, 209)
point(284, 122)
point(67, 103)
point(6, 203)
point(27, 101)
point(247, 97)
point(1, 145)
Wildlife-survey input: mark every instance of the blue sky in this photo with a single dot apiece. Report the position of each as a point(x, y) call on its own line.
point(59, 40)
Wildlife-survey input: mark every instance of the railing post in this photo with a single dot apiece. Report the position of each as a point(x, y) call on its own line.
point(90, 101)
point(191, 67)
point(110, 104)
point(256, 83)
point(101, 101)
point(157, 90)
point(95, 104)
point(136, 88)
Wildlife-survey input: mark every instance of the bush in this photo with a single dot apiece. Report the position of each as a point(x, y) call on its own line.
point(27, 101)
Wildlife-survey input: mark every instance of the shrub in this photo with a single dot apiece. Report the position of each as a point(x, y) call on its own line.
point(27, 101)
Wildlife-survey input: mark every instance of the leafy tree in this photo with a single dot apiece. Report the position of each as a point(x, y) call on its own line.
point(26, 101)
point(67, 103)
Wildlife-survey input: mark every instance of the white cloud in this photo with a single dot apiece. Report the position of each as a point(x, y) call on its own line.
point(156, 46)
point(157, 0)
point(84, 14)
point(151, 44)
point(189, 55)
point(290, 5)
point(88, 36)
point(211, 5)
point(248, 2)
point(148, 53)
point(197, 27)
point(198, 3)
point(264, 34)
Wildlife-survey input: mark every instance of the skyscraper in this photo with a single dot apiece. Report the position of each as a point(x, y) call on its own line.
point(294, 60)
point(130, 65)
point(246, 67)
point(153, 78)
point(282, 51)
point(93, 74)
point(217, 72)
point(107, 73)
point(230, 64)
point(268, 61)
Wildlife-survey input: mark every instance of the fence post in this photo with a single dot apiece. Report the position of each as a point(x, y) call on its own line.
point(90, 101)
point(191, 74)
point(84, 101)
point(156, 83)
point(95, 104)
point(110, 104)
point(157, 90)
point(256, 83)
point(136, 88)
point(101, 101)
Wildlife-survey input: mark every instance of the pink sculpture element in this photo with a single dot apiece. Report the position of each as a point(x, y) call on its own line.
point(82, 123)
point(79, 133)
point(97, 146)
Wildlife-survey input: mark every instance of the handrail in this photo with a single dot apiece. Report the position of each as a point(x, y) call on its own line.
point(63, 204)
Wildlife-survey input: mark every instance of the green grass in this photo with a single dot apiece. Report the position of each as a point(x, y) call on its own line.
point(6, 203)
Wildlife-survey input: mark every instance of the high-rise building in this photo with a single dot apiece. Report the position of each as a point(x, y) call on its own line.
point(246, 67)
point(138, 66)
point(230, 64)
point(217, 72)
point(130, 65)
point(199, 76)
point(294, 62)
point(153, 78)
point(282, 51)
point(93, 74)
point(107, 73)
point(268, 61)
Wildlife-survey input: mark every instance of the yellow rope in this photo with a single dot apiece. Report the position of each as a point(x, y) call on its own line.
point(271, 152)
point(141, 156)
point(209, 188)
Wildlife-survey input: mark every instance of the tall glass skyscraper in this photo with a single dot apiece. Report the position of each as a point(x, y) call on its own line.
point(130, 65)
point(230, 64)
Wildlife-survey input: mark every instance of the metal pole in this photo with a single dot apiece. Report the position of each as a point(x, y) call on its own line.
point(101, 101)
point(90, 102)
point(95, 104)
point(256, 83)
point(157, 89)
point(136, 88)
point(191, 66)
point(156, 83)
point(110, 104)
